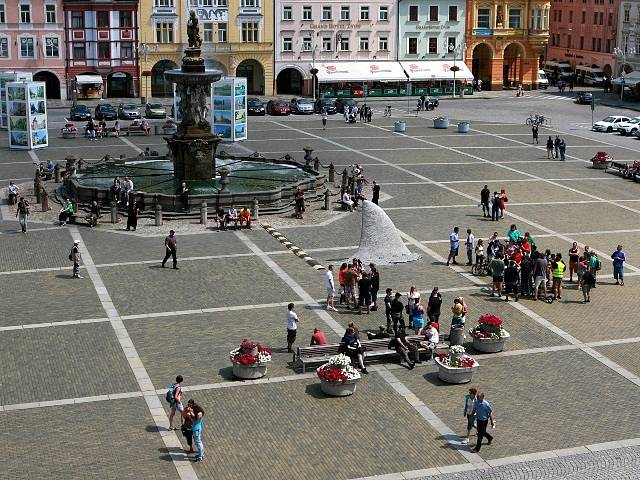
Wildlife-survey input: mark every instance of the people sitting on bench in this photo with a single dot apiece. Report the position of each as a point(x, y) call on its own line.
point(221, 218)
point(403, 347)
point(346, 201)
point(245, 217)
point(318, 337)
point(353, 349)
point(66, 211)
point(13, 193)
point(102, 130)
point(232, 216)
point(140, 125)
point(90, 130)
point(94, 215)
point(115, 190)
point(431, 338)
point(127, 189)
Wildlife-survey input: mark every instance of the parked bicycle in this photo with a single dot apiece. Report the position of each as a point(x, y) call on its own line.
point(537, 119)
point(387, 111)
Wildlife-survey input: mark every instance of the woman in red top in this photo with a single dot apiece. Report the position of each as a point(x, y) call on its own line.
point(502, 202)
point(343, 268)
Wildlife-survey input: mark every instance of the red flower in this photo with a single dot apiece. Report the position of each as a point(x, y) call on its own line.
point(490, 320)
point(332, 374)
point(245, 359)
point(466, 362)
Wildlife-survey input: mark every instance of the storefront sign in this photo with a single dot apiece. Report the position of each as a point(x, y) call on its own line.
point(334, 26)
point(432, 27)
point(212, 14)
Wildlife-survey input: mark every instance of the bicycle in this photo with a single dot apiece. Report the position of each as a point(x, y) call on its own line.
point(387, 111)
point(537, 119)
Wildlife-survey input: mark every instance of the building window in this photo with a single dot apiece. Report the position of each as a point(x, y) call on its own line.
point(383, 14)
point(595, 18)
point(601, 18)
point(306, 44)
point(453, 13)
point(287, 44)
point(364, 44)
point(164, 32)
point(326, 44)
point(610, 19)
point(222, 32)
point(344, 43)
point(584, 17)
point(625, 18)
point(570, 16)
point(433, 13)
point(608, 46)
point(559, 15)
point(26, 47)
point(306, 13)
point(79, 51)
point(536, 19)
point(50, 13)
point(412, 46)
point(599, 44)
point(102, 19)
point(222, 3)
point(206, 3)
point(250, 32)
point(52, 47)
point(514, 18)
point(287, 12)
point(250, 3)
point(77, 19)
point(25, 13)
point(345, 12)
point(4, 47)
point(383, 44)
point(126, 50)
point(126, 19)
point(104, 50)
point(413, 13)
point(326, 12)
point(484, 18)
point(163, 3)
point(364, 13)
point(433, 45)
point(581, 43)
point(207, 32)
point(2, 13)
point(593, 44)
point(569, 42)
point(451, 44)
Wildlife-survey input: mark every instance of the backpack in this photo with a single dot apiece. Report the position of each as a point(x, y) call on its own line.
point(170, 396)
point(71, 254)
point(598, 265)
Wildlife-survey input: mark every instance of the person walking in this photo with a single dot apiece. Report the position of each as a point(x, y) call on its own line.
point(387, 308)
point(495, 207)
point(375, 286)
point(618, 258)
point(331, 288)
point(132, 216)
point(324, 119)
point(556, 147)
point(497, 272)
point(574, 258)
point(485, 195)
point(484, 414)
point(292, 327)
point(469, 243)
point(534, 133)
point(22, 212)
point(170, 245)
point(396, 312)
point(174, 398)
point(187, 425)
point(587, 281)
point(469, 412)
point(594, 264)
point(454, 243)
point(375, 197)
point(549, 148)
point(75, 257)
point(196, 429)
point(369, 114)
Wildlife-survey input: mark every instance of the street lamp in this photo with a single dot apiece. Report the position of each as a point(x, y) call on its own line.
point(313, 71)
point(455, 50)
point(621, 53)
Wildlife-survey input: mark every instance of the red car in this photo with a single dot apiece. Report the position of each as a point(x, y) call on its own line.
point(278, 107)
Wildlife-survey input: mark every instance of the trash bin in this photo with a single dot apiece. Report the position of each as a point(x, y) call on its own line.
point(157, 129)
point(456, 335)
point(400, 127)
point(463, 127)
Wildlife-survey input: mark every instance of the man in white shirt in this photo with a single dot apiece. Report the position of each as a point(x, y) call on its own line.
point(331, 288)
point(14, 193)
point(431, 339)
point(469, 244)
point(454, 242)
point(292, 327)
point(346, 200)
point(127, 186)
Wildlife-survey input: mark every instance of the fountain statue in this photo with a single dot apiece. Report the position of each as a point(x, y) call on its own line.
point(193, 147)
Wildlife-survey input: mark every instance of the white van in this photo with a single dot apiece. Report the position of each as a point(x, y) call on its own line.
point(589, 75)
point(543, 81)
point(558, 70)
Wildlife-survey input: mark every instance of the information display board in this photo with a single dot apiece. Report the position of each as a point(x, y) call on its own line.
point(6, 77)
point(27, 113)
point(229, 112)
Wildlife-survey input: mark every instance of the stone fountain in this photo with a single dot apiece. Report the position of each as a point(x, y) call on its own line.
point(193, 146)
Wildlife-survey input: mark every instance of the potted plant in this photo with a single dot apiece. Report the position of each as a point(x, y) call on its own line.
point(69, 130)
point(489, 336)
point(250, 360)
point(463, 126)
point(169, 127)
point(456, 366)
point(337, 377)
point(441, 122)
point(601, 160)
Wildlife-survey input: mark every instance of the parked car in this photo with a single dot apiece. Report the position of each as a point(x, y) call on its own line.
point(326, 104)
point(79, 112)
point(345, 102)
point(630, 127)
point(105, 111)
point(128, 111)
point(278, 107)
point(610, 123)
point(584, 98)
point(155, 110)
point(301, 105)
point(255, 106)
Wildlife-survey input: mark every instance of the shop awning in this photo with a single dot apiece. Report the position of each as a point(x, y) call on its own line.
point(435, 70)
point(360, 72)
point(631, 78)
point(88, 79)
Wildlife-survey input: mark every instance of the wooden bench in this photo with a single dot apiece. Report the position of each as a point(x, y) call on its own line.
point(373, 349)
point(135, 130)
point(618, 168)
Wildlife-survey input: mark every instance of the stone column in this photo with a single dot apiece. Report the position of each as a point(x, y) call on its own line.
point(203, 213)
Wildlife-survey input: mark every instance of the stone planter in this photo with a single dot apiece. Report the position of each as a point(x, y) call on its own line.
point(338, 389)
point(70, 134)
point(601, 165)
point(399, 127)
point(455, 375)
point(249, 372)
point(489, 345)
point(440, 123)
point(463, 127)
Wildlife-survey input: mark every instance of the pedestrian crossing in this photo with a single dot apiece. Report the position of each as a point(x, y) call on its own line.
point(544, 96)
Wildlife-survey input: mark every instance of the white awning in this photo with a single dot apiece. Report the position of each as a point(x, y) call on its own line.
point(629, 79)
point(360, 72)
point(88, 79)
point(435, 70)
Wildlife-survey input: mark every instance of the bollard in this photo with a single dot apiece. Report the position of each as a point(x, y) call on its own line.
point(256, 207)
point(332, 173)
point(203, 213)
point(56, 173)
point(37, 185)
point(114, 212)
point(316, 164)
point(158, 215)
point(456, 335)
point(45, 200)
point(326, 199)
point(344, 179)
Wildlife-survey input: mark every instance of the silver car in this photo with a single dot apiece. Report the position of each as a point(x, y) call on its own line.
point(128, 111)
point(301, 105)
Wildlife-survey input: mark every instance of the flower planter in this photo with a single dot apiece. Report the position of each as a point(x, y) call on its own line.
point(249, 372)
point(454, 374)
point(601, 165)
point(440, 123)
point(399, 127)
point(338, 389)
point(69, 134)
point(489, 345)
point(463, 127)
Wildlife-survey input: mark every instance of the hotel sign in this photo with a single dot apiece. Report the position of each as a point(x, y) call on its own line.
point(212, 14)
